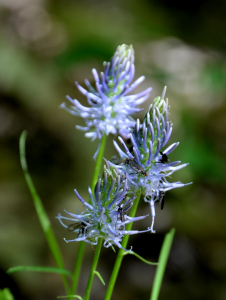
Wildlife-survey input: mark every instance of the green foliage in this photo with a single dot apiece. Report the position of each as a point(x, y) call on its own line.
point(99, 276)
point(5, 294)
point(71, 296)
point(141, 258)
point(40, 269)
point(163, 258)
point(43, 218)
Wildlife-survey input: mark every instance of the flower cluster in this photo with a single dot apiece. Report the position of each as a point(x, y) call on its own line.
point(140, 169)
point(110, 105)
point(106, 216)
point(145, 166)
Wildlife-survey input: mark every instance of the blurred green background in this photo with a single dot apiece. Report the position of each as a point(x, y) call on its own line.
point(44, 47)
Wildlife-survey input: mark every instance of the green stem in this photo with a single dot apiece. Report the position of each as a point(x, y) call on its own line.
point(93, 269)
point(163, 257)
point(99, 161)
point(43, 218)
point(121, 253)
point(79, 258)
point(78, 266)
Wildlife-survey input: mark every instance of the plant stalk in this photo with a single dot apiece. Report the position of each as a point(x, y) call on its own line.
point(93, 269)
point(81, 247)
point(120, 255)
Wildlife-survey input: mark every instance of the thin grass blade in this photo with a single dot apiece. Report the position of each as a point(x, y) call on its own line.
point(43, 218)
point(5, 294)
point(39, 269)
point(163, 258)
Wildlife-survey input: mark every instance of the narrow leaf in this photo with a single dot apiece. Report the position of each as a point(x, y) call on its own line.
point(100, 277)
point(43, 218)
point(163, 257)
point(74, 296)
point(141, 258)
point(5, 294)
point(39, 269)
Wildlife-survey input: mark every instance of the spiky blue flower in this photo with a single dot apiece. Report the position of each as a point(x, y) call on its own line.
point(106, 217)
point(146, 166)
point(111, 106)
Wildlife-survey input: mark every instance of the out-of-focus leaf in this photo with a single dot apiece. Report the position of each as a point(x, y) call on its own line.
point(39, 269)
point(5, 294)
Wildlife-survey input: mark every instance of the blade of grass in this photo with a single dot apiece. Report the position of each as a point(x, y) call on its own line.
point(163, 257)
point(5, 294)
point(43, 218)
point(39, 269)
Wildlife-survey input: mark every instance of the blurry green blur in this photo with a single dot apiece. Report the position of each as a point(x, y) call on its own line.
point(47, 45)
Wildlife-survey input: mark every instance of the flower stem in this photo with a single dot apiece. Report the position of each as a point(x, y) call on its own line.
point(120, 255)
point(79, 258)
point(163, 257)
point(77, 268)
point(93, 269)
point(99, 161)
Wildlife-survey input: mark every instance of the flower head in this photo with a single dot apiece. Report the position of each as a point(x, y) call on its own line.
point(107, 216)
point(110, 105)
point(146, 166)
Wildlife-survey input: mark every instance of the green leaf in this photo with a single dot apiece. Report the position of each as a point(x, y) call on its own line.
point(39, 269)
point(74, 296)
point(141, 258)
point(5, 294)
point(100, 277)
point(163, 257)
point(43, 218)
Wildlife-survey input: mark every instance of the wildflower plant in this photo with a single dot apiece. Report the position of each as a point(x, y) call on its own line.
point(110, 208)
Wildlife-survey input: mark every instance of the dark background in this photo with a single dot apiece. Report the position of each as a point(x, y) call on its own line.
point(44, 47)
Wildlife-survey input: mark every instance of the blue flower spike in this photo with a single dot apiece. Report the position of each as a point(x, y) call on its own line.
point(111, 106)
point(147, 166)
point(107, 216)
